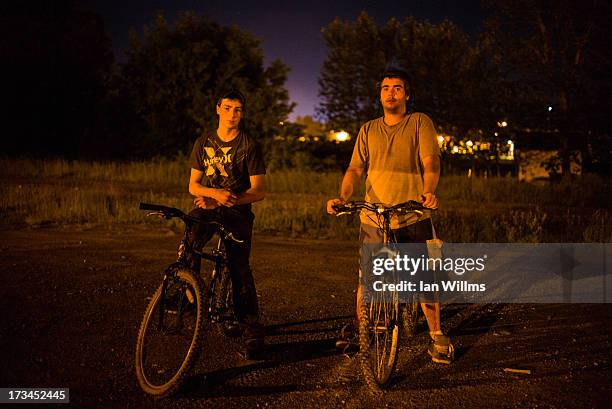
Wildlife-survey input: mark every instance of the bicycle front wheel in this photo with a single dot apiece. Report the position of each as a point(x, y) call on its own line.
point(169, 337)
point(379, 336)
point(410, 316)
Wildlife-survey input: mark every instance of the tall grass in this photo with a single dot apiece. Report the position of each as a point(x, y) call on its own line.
point(473, 210)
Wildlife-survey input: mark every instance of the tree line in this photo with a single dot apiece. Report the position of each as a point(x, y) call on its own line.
point(64, 93)
point(542, 67)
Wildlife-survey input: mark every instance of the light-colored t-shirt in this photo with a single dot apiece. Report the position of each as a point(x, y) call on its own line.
point(392, 158)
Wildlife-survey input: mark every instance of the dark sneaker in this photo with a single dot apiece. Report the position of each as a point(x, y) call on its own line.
point(349, 339)
point(441, 350)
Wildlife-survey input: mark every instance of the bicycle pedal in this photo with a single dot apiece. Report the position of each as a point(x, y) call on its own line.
point(347, 346)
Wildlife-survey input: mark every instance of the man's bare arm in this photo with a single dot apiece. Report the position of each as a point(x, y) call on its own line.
point(431, 177)
point(256, 192)
point(351, 178)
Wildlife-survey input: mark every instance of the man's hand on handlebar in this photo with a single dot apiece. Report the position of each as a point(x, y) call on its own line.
point(429, 200)
point(333, 202)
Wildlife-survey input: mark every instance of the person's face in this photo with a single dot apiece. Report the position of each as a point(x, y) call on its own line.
point(393, 95)
point(230, 113)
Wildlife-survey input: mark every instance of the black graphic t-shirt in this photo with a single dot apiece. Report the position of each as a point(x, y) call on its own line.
point(227, 165)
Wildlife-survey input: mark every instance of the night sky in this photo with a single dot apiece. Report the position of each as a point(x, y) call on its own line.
point(290, 31)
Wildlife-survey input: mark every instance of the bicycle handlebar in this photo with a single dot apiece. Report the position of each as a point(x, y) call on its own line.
point(170, 212)
point(167, 212)
point(411, 206)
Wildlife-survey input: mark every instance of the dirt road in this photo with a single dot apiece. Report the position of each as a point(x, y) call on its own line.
point(72, 300)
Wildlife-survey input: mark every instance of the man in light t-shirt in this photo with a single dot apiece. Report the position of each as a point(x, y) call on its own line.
point(400, 156)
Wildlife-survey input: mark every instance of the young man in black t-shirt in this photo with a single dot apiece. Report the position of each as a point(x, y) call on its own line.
point(227, 175)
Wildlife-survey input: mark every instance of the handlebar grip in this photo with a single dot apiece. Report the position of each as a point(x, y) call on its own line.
point(412, 205)
point(417, 205)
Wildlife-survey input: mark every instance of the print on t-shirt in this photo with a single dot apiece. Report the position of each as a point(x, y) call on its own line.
point(227, 165)
point(217, 162)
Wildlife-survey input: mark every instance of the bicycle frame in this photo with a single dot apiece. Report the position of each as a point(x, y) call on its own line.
point(379, 316)
point(218, 256)
point(181, 306)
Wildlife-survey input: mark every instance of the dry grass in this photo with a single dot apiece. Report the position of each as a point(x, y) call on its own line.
point(58, 191)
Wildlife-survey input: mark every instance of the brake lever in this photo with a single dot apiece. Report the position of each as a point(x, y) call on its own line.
point(231, 237)
point(343, 213)
point(228, 234)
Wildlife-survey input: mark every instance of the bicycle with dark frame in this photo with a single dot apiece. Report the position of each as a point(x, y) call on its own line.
point(170, 335)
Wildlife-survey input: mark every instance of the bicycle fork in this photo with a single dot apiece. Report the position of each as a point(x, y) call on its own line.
point(170, 276)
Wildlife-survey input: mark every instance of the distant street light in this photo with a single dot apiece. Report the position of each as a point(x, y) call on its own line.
point(342, 136)
point(502, 124)
point(549, 109)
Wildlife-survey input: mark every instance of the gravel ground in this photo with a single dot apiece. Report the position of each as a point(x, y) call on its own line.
point(72, 300)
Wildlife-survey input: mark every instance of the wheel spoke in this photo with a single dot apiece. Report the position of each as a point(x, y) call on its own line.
point(381, 335)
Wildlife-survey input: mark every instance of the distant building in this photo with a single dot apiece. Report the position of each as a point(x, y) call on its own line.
point(538, 156)
point(533, 164)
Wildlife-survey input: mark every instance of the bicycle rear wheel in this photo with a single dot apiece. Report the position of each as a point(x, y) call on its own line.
point(169, 336)
point(379, 336)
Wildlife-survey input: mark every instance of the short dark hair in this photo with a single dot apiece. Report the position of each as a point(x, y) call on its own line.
point(235, 95)
point(397, 73)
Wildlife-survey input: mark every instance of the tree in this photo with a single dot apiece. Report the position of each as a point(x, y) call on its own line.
point(312, 127)
point(57, 61)
point(348, 78)
point(558, 52)
point(175, 73)
point(453, 81)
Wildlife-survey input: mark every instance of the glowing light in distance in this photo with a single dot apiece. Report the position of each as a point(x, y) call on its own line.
point(342, 136)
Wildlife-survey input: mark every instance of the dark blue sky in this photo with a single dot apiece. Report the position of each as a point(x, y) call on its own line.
point(288, 30)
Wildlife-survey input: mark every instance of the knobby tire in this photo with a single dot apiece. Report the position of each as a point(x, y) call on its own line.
point(180, 331)
point(379, 336)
